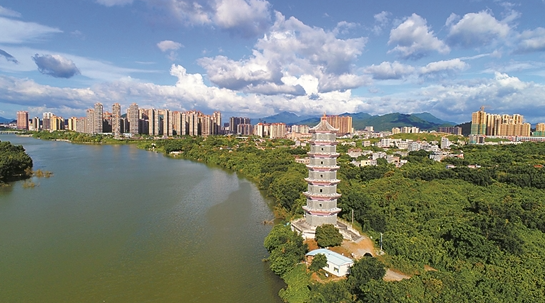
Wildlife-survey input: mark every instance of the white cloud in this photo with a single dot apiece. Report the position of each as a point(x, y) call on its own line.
point(290, 49)
point(26, 92)
point(414, 39)
point(476, 29)
point(114, 2)
point(531, 41)
point(171, 46)
point(15, 31)
point(247, 18)
point(166, 45)
point(381, 20)
point(389, 70)
point(440, 67)
point(8, 12)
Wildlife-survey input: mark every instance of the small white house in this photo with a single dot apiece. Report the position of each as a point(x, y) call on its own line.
point(337, 264)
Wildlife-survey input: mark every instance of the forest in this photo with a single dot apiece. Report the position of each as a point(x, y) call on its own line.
point(15, 163)
point(463, 234)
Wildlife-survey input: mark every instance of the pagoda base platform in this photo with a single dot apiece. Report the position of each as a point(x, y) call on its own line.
point(309, 232)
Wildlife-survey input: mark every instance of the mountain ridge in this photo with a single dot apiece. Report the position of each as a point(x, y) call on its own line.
point(424, 121)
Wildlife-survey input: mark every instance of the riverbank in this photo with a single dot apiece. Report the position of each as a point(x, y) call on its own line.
point(135, 226)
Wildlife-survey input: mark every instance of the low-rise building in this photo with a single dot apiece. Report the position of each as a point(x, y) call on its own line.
point(337, 264)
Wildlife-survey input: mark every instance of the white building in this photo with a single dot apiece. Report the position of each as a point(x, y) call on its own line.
point(337, 264)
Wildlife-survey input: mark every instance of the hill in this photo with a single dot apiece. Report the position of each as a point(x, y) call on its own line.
point(431, 118)
point(5, 120)
point(424, 121)
point(285, 117)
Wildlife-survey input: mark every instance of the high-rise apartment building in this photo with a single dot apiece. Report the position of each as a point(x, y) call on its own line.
point(132, 117)
point(36, 123)
point(46, 125)
point(116, 119)
point(97, 119)
point(22, 120)
point(72, 124)
point(483, 123)
point(342, 123)
point(234, 121)
point(56, 123)
point(216, 120)
point(89, 121)
point(540, 130)
point(277, 130)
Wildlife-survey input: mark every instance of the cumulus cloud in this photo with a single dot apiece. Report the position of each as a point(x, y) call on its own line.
point(29, 93)
point(247, 18)
point(389, 70)
point(15, 31)
point(531, 41)
point(171, 47)
point(166, 45)
point(8, 12)
point(476, 29)
point(414, 39)
point(290, 49)
point(504, 93)
point(442, 68)
point(451, 100)
point(114, 2)
point(8, 57)
point(56, 66)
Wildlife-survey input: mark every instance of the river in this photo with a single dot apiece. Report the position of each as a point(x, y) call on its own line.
point(118, 224)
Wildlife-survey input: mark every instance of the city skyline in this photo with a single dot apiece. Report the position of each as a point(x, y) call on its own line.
point(266, 57)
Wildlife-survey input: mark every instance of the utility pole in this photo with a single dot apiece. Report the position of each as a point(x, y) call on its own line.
point(381, 242)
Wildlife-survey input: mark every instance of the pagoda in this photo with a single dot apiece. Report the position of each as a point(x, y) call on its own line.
point(321, 207)
point(322, 179)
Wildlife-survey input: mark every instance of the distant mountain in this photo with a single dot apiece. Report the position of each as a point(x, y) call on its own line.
point(424, 121)
point(431, 118)
point(389, 121)
point(5, 120)
point(285, 117)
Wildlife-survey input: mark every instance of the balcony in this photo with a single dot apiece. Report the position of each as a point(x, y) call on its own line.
point(322, 196)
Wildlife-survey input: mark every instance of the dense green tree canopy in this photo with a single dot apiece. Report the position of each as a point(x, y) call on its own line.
point(327, 235)
point(318, 262)
point(15, 163)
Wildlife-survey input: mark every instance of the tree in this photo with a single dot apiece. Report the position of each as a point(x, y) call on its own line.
point(363, 271)
point(328, 235)
point(318, 262)
point(286, 248)
point(331, 292)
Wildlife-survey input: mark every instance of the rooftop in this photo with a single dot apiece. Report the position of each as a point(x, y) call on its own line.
point(332, 257)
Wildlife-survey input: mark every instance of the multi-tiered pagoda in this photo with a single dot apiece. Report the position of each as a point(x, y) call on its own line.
point(322, 181)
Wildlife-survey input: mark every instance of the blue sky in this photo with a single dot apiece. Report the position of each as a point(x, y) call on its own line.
point(256, 58)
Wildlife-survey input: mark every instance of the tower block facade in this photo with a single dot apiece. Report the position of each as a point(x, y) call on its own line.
point(322, 179)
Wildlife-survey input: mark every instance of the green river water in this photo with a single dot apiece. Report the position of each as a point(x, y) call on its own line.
point(118, 224)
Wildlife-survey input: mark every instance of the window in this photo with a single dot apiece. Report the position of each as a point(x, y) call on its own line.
point(320, 190)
